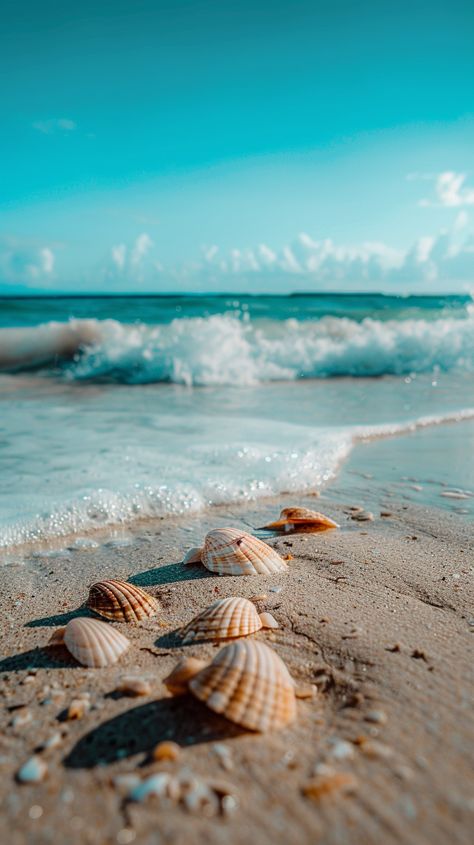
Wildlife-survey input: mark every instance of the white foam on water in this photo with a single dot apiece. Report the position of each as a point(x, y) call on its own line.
point(225, 350)
point(175, 470)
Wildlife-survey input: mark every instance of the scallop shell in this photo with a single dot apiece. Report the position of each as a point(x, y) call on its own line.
point(293, 518)
point(228, 551)
point(93, 643)
point(121, 601)
point(232, 617)
point(249, 684)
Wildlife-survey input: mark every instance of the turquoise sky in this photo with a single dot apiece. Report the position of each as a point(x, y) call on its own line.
point(188, 145)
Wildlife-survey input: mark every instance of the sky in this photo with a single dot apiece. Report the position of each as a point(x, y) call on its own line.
point(246, 146)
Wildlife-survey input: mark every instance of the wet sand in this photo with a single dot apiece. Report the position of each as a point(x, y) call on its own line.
point(377, 614)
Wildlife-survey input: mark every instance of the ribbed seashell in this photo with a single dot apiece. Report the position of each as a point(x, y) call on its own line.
point(91, 642)
point(232, 617)
point(303, 518)
point(121, 601)
point(249, 684)
point(228, 551)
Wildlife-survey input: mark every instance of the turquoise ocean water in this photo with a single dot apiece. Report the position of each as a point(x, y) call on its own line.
point(117, 408)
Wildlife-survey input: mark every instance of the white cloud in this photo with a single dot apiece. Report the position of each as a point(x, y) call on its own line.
point(119, 253)
point(47, 259)
point(49, 127)
point(22, 263)
point(142, 245)
point(450, 190)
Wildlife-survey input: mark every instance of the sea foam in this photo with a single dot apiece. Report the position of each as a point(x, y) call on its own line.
point(224, 349)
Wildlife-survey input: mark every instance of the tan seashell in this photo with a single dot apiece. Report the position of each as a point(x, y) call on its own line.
point(185, 669)
point(228, 551)
point(121, 601)
point(303, 518)
point(93, 643)
point(232, 617)
point(248, 684)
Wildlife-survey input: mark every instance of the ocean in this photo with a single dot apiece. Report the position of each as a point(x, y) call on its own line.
point(114, 409)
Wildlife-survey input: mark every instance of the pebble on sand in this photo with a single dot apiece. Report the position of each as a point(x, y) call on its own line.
point(166, 750)
point(325, 785)
point(33, 771)
point(133, 686)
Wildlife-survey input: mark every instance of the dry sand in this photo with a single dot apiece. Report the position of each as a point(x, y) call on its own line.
point(376, 614)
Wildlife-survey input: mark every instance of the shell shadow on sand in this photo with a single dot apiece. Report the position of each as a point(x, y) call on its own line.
point(60, 619)
point(169, 573)
point(182, 719)
point(39, 658)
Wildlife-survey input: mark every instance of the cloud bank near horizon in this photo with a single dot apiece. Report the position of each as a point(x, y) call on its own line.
point(443, 261)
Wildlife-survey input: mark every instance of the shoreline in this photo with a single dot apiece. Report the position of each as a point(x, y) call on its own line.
point(340, 488)
point(375, 613)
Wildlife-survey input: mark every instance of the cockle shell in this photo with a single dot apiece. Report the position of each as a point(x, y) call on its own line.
point(91, 642)
point(228, 551)
point(303, 518)
point(247, 683)
point(121, 601)
point(232, 617)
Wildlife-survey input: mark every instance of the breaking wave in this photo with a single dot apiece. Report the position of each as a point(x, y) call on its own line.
point(226, 349)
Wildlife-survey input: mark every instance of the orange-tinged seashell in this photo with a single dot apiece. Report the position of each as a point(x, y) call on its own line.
point(292, 519)
point(248, 684)
point(185, 669)
point(228, 551)
point(91, 642)
point(121, 601)
point(232, 617)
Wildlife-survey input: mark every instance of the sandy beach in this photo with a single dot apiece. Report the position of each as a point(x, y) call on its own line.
point(376, 614)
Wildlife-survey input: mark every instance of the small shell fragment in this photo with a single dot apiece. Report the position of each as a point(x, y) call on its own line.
point(228, 551)
point(33, 771)
point(226, 618)
point(294, 519)
point(166, 750)
point(93, 643)
point(324, 785)
point(159, 785)
point(248, 684)
point(77, 708)
point(121, 601)
point(133, 686)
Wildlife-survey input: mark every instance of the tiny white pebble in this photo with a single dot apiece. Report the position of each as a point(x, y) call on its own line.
point(33, 771)
point(377, 716)
point(125, 836)
point(35, 812)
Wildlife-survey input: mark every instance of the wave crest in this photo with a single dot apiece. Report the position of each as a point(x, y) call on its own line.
point(223, 349)
point(226, 349)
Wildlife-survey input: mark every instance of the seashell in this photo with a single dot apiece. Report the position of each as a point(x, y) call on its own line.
point(166, 750)
point(248, 684)
point(228, 551)
point(133, 686)
point(93, 643)
point(185, 669)
point(232, 617)
point(121, 601)
point(303, 518)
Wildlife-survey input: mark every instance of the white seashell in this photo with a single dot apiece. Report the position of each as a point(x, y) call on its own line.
point(94, 643)
point(228, 551)
point(248, 683)
point(232, 617)
point(303, 519)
